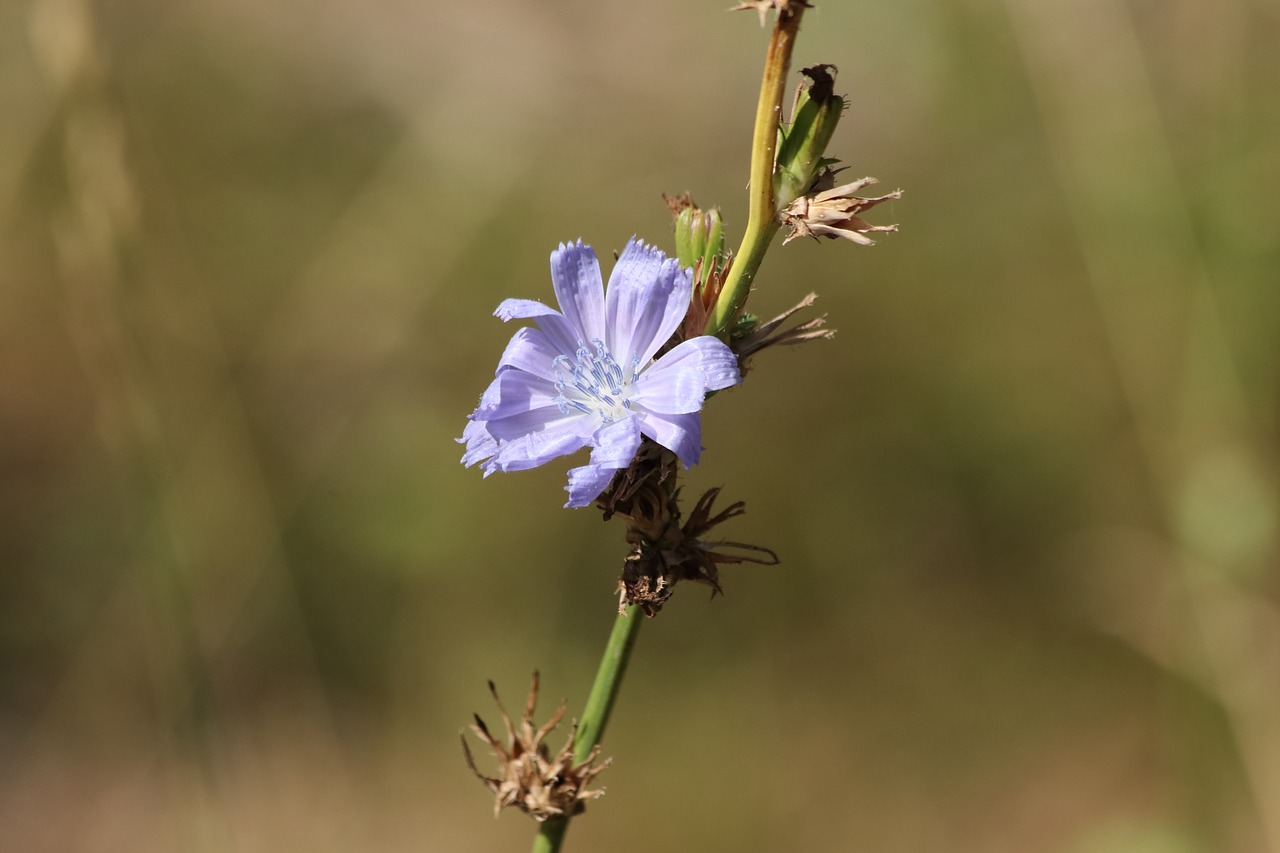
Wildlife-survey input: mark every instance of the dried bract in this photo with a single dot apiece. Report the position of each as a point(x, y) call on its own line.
point(654, 567)
point(771, 333)
point(762, 7)
point(835, 213)
point(529, 777)
point(665, 551)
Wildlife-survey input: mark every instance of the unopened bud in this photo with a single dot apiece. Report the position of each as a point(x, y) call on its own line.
point(699, 236)
point(699, 247)
point(803, 142)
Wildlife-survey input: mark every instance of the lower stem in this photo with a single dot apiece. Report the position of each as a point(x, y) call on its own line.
point(604, 691)
point(550, 834)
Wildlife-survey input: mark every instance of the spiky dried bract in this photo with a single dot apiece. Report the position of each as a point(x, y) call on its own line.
point(771, 333)
point(665, 551)
point(708, 280)
point(529, 777)
point(835, 213)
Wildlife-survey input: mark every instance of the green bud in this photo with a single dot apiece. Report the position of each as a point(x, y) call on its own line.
point(713, 248)
point(684, 236)
point(803, 142)
point(699, 236)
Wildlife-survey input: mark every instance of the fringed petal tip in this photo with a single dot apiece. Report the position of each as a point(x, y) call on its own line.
point(637, 251)
point(586, 483)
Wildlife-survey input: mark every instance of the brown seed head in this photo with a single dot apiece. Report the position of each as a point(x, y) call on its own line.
point(665, 550)
point(530, 777)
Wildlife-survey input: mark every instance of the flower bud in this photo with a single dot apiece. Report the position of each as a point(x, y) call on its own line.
point(803, 142)
point(699, 236)
point(699, 247)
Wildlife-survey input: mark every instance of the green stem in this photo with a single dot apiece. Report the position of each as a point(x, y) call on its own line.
point(762, 224)
point(613, 665)
point(762, 220)
point(550, 834)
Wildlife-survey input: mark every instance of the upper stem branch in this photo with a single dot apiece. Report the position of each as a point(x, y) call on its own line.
point(762, 221)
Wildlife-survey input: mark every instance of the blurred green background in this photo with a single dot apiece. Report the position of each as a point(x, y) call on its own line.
point(1026, 500)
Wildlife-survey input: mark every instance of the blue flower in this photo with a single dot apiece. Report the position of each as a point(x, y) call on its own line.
point(586, 375)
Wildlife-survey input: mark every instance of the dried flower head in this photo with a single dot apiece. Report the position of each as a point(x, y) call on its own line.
point(762, 7)
point(665, 551)
point(835, 212)
point(529, 777)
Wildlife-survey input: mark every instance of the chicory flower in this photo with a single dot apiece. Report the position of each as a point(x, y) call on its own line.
point(586, 375)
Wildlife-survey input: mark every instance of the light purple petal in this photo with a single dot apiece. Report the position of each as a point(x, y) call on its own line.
point(586, 484)
point(488, 402)
point(678, 382)
point(510, 427)
point(675, 391)
point(681, 434)
point(515, 391)
point(561, 334)
point(536, 448)
point(523, 309)
point(531, 351)
point(615, 445)
point(575, 275)
point(648, 297)
point(710, 356)
point(480, 445)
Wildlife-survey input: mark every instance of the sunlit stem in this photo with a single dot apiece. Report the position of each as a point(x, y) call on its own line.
point(762, 224)
point(613, 665)
point(762, 219)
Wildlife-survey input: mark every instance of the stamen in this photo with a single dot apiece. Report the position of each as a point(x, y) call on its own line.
point(615, 373)
point(592, 382)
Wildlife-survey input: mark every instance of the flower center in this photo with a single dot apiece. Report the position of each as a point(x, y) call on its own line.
point(592, 382)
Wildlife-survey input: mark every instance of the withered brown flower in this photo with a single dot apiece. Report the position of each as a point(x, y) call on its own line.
point(762, 7)
point(665, 551)
point(835, 213)
point(529, 777)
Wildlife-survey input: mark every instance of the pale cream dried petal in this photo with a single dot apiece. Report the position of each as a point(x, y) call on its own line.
point(762, 7)
point(834, 213)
